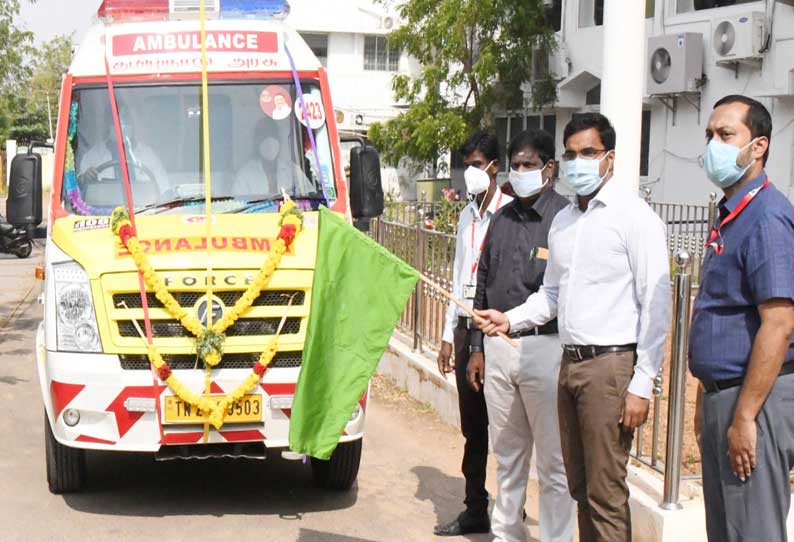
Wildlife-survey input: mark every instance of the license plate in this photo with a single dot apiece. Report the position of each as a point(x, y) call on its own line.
point(246, 410)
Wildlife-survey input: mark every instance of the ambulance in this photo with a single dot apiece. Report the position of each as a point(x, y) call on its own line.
point(137, 76)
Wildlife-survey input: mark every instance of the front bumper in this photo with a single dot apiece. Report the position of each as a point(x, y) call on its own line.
point(105, 395)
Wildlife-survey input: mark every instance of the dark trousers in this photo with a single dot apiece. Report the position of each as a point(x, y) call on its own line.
point(754, 510)
point(474, 424)
point(595, 449)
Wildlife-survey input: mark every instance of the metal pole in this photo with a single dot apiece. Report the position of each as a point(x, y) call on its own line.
point(418, 265)
point(677, 399)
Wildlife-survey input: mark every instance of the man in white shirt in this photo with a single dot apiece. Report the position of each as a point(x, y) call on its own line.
point(481, 156)
point(608, 283)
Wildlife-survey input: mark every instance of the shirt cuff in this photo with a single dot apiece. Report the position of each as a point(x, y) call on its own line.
point(641, 386)
point(448, 336)
point(516, 325)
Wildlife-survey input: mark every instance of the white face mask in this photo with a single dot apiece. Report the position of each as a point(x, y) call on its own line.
point(268, 149)
point(477, 180)
point(582, 175)
point(527, 183)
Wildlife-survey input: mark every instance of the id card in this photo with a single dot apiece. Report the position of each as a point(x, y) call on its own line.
point(469, 290)
point(539, 253)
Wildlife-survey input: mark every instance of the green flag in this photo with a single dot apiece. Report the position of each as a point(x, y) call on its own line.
point(359, 291)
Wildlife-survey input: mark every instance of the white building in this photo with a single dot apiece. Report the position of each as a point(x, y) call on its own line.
point(349, 38)
point(701, 69)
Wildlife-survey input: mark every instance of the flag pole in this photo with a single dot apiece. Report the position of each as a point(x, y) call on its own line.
point(462, 306)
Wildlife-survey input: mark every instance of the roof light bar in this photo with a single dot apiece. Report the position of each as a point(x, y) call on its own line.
point(254, 9)
point(118, 10)
point(127, 10)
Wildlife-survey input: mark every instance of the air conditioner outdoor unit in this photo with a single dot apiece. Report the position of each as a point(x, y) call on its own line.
point(739, 38)
point(675, 63)
point(387, 22)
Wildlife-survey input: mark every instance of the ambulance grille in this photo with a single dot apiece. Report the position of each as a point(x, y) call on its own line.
point(242, 327)
point(268, 298)
point(282, 360)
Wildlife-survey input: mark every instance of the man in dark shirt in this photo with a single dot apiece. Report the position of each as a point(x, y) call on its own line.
point(740, 340)
point(520, 385)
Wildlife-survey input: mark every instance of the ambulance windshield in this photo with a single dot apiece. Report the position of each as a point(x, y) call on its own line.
point(260, 148)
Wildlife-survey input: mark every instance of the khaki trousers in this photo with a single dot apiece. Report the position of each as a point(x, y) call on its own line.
point(594, 446)
point(521, 395)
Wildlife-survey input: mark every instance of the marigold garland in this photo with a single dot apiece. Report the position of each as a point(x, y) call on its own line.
point(209, 341)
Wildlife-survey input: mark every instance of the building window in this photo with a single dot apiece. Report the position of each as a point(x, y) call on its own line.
point(591, 13)
point(318, 43)
point(554, 14)
point(686, 6)
point(516, 124)
point(378, 56)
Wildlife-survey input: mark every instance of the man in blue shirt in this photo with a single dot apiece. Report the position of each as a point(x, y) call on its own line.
point(740, 342)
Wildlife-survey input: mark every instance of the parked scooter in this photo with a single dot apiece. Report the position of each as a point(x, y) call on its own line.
point(14, 241)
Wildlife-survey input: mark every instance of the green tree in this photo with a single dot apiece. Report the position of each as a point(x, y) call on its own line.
point(48, 64)
point(15, 45)
point(474, 56)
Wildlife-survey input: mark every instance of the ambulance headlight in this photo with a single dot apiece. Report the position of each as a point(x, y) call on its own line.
point(76, 327)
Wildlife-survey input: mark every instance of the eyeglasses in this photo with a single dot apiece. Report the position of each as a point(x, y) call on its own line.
point(588, 153)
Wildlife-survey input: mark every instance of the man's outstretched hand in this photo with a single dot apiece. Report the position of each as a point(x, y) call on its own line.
point(492, 322)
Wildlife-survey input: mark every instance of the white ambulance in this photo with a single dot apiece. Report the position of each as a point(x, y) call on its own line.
point(98, 387)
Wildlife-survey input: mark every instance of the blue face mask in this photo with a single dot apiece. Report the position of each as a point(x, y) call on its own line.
point(720, 163)
point(582, 175)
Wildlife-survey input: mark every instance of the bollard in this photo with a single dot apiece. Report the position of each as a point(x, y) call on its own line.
point(678, 366)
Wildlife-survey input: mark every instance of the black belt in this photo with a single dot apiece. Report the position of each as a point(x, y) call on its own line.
point(577, 353)
point(547, 329)
point(713, 386)
point(464, 322)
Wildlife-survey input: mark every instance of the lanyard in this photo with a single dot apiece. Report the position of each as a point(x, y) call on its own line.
point(716, 231)
point(482, 245)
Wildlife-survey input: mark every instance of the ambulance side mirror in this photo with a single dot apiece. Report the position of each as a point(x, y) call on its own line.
point(24, 205)
point(366, 190)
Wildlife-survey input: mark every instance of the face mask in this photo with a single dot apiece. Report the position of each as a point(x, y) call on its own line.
point(527, 183)
point(720, 163)
point(268, 149)
point(477, 180)
point(582, 176)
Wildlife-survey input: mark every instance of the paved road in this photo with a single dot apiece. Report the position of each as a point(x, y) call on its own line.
point(409, 475)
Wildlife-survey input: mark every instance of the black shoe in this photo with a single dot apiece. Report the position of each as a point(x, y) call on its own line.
point(464, 524)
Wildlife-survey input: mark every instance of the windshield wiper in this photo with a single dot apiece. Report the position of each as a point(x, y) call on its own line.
point(179, 202)
point(250, 204)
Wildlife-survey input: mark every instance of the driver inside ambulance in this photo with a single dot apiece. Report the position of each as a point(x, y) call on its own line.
point(102, 159)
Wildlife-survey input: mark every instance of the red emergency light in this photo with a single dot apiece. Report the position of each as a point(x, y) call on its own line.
point(133, 9)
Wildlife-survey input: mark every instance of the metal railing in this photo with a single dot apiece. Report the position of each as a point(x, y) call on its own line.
point(687, 229)
point(403, 232)
point(432, 253)
point(687, 225)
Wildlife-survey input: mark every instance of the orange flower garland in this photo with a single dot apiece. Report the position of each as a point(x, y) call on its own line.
point(209, 343)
